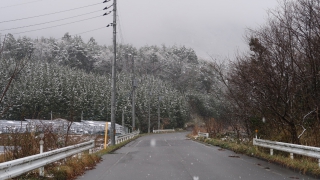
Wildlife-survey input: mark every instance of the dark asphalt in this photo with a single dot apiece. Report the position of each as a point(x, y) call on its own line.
point(174, 157)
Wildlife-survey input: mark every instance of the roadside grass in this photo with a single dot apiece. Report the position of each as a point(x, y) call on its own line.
point(72, 167)
point(302, 164)
point(111, 149)
point(2, 158)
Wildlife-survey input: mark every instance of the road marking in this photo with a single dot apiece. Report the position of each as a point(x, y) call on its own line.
point(119, 160)
point(167, 142)
point(109, 169)
point(137, 143)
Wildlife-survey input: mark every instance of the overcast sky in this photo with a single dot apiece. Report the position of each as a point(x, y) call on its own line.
point(211, 27)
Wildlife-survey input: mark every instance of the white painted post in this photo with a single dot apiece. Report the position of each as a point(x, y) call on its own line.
point(291, 155)
point(319, 162)
point(79, 155)
point(41, 170)
point(90, 151)
point(271, 152)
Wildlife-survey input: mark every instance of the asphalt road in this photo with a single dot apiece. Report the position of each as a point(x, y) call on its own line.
point(174, 157)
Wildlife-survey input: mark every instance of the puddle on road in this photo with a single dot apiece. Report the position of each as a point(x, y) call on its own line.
point(153, 143)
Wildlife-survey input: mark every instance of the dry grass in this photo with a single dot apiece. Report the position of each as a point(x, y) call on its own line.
point(73, 167)
point(196, 129)
point(2, 158)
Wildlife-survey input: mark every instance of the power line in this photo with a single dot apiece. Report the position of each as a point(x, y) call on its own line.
point(20, 4)
point(108, 7)
point(48, 22)
point(89, 31)
point(49, 13)
point(56, 25)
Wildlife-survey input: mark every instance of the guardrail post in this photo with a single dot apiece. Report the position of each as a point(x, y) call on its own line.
point(291, 155)
point(79, 155)
point(319, 162)
point(41, 169)
point(256, 133)
point(90, 151)
point(271, 152)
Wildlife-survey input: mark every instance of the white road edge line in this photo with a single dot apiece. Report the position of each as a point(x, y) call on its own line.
point(137, 143)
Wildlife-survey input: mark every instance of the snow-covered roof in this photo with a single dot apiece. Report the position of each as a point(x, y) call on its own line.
point(85, 126)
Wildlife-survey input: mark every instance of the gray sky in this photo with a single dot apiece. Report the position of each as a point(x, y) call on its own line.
point(214, 27)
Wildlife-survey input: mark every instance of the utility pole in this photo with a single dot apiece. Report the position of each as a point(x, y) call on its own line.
point(159, 112)
point(123, 122)
point(114, 69)
point(149, 112)
point(133, 96)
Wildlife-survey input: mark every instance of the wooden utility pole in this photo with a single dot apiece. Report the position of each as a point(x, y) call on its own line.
point(114, 69)
point(133, 96)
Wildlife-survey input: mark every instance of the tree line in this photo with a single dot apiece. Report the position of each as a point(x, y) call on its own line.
point(71, 79)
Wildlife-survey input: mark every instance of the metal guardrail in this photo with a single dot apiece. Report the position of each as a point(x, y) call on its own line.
point(20, 166)
point(309, 151)
point(163, 130)
point(206, 135)
point(121, 138)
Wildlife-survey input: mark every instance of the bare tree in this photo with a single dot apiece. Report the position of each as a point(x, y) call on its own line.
point(279, 79)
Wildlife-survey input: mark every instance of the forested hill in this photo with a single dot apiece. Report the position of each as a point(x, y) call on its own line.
point(72, 78)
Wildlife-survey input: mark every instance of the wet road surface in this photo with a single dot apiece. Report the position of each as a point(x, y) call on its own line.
point(174, 157)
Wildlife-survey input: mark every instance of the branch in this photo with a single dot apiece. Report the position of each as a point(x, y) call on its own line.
point(13, 75)
point(304, 129)
point(19, 67)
